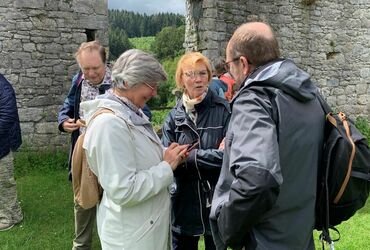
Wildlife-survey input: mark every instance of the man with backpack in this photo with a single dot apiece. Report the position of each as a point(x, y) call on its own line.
point(265, 196)
point(93, 79)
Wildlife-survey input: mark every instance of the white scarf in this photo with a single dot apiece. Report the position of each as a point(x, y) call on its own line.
point(190, 103)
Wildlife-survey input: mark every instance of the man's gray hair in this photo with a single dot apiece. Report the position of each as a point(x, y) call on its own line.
point(136, 67)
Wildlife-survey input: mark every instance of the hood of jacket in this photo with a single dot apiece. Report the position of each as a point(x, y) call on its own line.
point(283, 74)
point(109, 101)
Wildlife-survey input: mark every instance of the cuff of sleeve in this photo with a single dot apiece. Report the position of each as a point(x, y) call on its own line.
point(168, 171)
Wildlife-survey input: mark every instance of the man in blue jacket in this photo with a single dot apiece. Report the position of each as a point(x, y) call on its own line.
point(10, 140)
point(265, 196)
point(94, 79)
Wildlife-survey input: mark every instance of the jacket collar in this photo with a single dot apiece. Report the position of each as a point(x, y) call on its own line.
point(180, 114)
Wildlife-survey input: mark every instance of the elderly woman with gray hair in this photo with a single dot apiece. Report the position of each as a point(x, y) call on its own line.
point(129, 160)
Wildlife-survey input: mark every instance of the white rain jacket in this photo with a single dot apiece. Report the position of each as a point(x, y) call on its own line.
point(126, 156)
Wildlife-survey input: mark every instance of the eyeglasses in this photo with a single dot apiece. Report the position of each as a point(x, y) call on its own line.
point(194, 74)
point(227, 64)
point(151, 87)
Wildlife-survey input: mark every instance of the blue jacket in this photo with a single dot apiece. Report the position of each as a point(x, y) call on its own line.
point(189, 211)
point(10, 131)
point(218, 87)
point(71, 109)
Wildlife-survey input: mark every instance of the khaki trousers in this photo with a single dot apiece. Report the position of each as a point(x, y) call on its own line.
point(10, 210)
point(84, 224)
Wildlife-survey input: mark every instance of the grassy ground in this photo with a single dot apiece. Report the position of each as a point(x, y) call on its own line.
point(47, 203)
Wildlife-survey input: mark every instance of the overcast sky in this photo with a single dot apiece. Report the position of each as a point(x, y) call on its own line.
point(149, 6)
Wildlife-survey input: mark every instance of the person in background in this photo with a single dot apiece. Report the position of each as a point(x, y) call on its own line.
point(93, 79)
point(200, 116)
point(229, 81)
point(265, 196)
point(216, 85)
point(222, 83)
point(10, 141)
point(129, 160)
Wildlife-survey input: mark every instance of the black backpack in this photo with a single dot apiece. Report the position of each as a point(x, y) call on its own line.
point(344, 176)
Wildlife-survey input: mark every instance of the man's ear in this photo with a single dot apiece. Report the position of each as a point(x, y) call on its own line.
point(247, 67)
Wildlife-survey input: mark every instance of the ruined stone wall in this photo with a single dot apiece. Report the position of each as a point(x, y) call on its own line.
point(329, 39)
point(37, 41)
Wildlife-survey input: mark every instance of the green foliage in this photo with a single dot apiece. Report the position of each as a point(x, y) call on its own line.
point(159, 116)
point(363, 125)
point(165, 98)
point(138, 25)
point(169, 42)
point(143, 43)
point(118, 42)
point(158, 119)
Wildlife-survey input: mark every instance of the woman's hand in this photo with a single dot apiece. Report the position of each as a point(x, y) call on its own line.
point(175, 154)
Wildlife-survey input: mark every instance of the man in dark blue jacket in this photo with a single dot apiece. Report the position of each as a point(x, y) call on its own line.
point(94, 79)
point(10, 140)
point(265, 196)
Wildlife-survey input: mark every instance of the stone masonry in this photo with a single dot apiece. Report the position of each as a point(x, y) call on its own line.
point(37, 41)
point(329, 39)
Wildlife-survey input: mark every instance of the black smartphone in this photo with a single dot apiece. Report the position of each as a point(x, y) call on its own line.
point(193, 145)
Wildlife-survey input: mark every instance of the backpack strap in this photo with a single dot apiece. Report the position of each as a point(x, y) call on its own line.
point(82, 122)
point(343, 118)
point(360, 175)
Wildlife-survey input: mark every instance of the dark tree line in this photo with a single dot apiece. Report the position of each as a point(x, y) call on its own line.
point(139, 25)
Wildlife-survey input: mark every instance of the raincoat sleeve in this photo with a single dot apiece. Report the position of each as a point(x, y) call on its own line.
point(254, 163)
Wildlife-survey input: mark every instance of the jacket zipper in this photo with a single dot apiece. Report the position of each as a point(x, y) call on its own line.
point(200, 198)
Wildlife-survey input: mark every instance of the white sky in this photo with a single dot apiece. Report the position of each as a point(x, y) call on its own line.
point(149, 6)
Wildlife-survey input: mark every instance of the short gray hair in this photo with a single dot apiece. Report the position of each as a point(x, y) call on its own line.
point(136, 67)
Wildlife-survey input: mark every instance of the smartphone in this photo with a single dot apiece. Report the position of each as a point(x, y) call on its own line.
point(193, 145)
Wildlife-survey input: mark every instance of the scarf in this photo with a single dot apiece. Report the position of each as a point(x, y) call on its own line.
point(190, 103)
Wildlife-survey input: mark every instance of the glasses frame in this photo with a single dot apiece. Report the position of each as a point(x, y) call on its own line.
point(150, 86)
point(194, 74)
point(227, 66)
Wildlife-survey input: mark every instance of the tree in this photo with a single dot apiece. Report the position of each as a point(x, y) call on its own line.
point(169, 42)
point(118, 42)
point(138, 25)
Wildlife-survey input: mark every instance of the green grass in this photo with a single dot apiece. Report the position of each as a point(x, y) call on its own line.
point(47, 203)
point(354, 232)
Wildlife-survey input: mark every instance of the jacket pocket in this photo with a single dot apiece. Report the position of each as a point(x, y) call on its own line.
point(147, 227)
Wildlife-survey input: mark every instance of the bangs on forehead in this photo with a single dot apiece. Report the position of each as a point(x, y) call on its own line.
point(193, 62)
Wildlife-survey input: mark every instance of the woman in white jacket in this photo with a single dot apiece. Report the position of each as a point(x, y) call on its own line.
point(127, 157)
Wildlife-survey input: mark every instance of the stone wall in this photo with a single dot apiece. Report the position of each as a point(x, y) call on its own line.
point(37, 41)
point(39, 37)
point(329, 39)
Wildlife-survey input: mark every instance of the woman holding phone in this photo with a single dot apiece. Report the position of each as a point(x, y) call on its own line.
point(200, 119)
point(129, 160)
